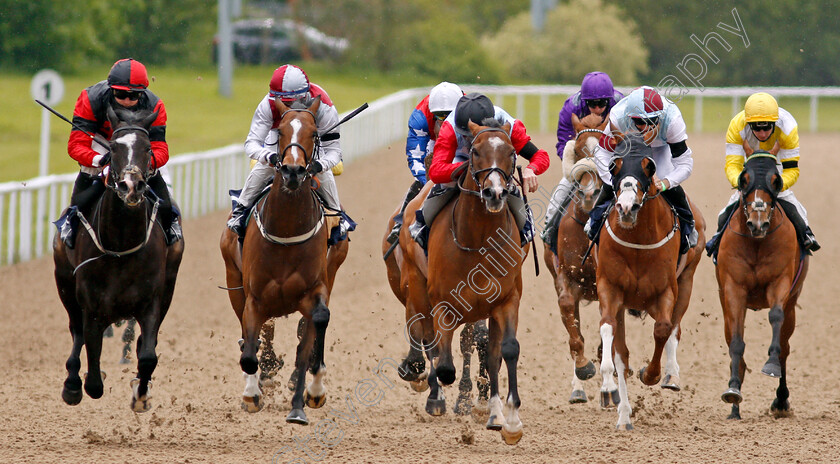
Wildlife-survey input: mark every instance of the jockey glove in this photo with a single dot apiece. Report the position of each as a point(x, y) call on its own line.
point(272, 159)
point(315, 167)
point(103, 161)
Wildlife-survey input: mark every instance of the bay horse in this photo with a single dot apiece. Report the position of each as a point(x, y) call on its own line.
point(473, 272)
point(759, 265)
point(639, 267)
point(473, 336)
point(121, 268)
point(574, 282)
point(284, 265)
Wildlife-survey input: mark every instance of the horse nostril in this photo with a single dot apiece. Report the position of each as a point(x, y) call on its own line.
point(765, 226)
point(141, 186)
point(122, 186)
point(635, 207)
point(487, 193)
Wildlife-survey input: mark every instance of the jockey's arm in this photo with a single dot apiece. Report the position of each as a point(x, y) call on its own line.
point(682, 162)
point(418, 144)
point(565, 131)
point(735, 155)
point(440, 172)
point(604, 153)
point(330, 153)
point(789, 156)
point(260, 126)
point(157, 135)
point(79, 144)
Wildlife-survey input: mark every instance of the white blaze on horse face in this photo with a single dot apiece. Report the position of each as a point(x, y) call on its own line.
point(591, 145)
point(627, 194)
point(128, 140)
point(295, 130)
point(497, 186)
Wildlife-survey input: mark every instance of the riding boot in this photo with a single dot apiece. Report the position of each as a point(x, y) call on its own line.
point(522, 215)
point(398, 219)
point(169, 223)
point(86, 190)
point(561, 198)
point(688, 234)
point(803, 233)
point(438, 197)
point(236, 222)
point(596, 216)
point(723, 219)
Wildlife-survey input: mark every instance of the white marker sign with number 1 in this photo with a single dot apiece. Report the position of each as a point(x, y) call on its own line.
point(47, 87)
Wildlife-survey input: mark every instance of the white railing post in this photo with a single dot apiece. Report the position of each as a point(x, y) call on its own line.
point(813, 113)
point(543, 112)
point(698, 113)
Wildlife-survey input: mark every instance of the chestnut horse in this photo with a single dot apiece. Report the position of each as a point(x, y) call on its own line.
point(759, 265)
point(473, 336)
point(574, 282)
point(473, 272)
point(639, 267)
point(120, 268)
point(284, 264)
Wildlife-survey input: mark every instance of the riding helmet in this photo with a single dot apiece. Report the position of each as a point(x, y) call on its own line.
point(596, 85)
point(761, 106)
point(444, 97)
point(473, 107)
point(128, 74)
point(289, 83)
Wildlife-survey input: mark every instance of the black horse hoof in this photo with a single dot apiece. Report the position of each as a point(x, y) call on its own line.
point(435, 407)
point(248, 364)
point(609, 399)
point(578, 396)
point(71, 396)
point(586, 372)
point(94, 391)
point(780, 408)
point(411, 371)
point(445, 374)
point(732, 396)
point(772, 369)
point(297, 416)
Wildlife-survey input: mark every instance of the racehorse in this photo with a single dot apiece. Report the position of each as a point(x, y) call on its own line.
point(759, 265)
point(283, 265)
point(473, 272)
point(121, 268)
point(473, 336)
point(572, 281)
point(639, 267)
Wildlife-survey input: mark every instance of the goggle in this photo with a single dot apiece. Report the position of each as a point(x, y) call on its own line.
point(652, 121)
point(126, 94)
point(441, 115)
point(598, 102)
point(762, 126)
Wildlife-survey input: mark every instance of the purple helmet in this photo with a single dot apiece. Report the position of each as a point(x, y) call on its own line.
point(596, 85)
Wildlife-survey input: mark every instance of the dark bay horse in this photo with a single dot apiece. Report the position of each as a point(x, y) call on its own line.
point(473, 272)
point(639, 268)
point(284, 265)
point(574, 282)
point(120, 268)
point(759, 266)
point(473, 336)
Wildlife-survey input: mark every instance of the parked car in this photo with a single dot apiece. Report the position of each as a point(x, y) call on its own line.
point(265, 41)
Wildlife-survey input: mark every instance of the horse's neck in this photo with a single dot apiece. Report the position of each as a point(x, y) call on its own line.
point(295, 208)
point(656, 212)
point(474, 223)
point(117, 224)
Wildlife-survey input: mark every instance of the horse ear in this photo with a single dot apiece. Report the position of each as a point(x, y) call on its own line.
point(474, 128)
point(506, 127)
point(649, 166)
point(112, 117)
point(281, 107)
point(603, 124)
point(576, 124)
point(747, 149)
point(776, 147)
point(148, 120)
point(743, 180)
point(775, 181)
point(316, 103)
point(615, 166)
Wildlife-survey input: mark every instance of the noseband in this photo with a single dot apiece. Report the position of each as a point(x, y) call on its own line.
point(507, 176)
point(311, 156)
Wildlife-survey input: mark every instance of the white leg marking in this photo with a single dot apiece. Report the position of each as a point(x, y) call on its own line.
point(607, 367)
point(671, 366)
point(512, 422)
point(496, 415)
point(252, 385)
point(624, 408)
point(577, 384)
point(316, 388)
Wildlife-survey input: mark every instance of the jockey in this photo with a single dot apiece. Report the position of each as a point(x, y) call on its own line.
point(125, 88)
point(290, 83)
point(451, 152)
point(423, 126)
point(760, 126)
point(663, 127)
point(596, 96)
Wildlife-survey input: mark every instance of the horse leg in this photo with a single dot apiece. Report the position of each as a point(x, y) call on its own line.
point(419, 331)
point(127, 339)
point(252, 321)
point(685, 284)
point(463, 406)
point(622, 360)
point(269, 363)
point(72, 391)
point(512, 428)
point(773, 366)
point(781, 406)
point(303, 358)
point(93, 330)
point(146, 361)
point(583, 368)
point(436, 402)
point(316, 394)
point(494, 362)
point(733, 302)
point(609, 389)
point(662, 328)
point(295, 375)
point(481, 338)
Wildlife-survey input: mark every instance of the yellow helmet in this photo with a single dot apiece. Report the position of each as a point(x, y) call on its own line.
point(761, 107)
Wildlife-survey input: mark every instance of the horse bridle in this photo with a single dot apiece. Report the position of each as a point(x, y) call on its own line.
point(507, 176)
point(145, 174)
point(312, 156)
point(577, 136)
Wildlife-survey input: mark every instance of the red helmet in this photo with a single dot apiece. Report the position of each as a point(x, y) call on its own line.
point(289, 83)
point(128, 74)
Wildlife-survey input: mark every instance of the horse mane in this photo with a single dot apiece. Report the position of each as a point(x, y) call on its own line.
point(582, 167)
point(491, 122)
point(299, 105)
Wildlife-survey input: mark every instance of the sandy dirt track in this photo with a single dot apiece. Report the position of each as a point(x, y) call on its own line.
point(196, 417)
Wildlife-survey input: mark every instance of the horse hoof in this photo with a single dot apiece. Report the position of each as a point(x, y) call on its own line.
point(616, 398)
point(732, 396)
point(463, 407)
point(772, 370)
point(435, 407)
point(734, 416)
point(606, 398)
point(141, 405)
point(314, 402)
point(480, 411)
point(578, 396)
point(252, 404)
point(780, 410)
point(586, 372)
point(71, 396)
point(494, 423)
point(624, 427)
point(671, 382)
point(411, 371)
point(642, 377)
point(511, 437)
point(297, 416)
point(419, 385)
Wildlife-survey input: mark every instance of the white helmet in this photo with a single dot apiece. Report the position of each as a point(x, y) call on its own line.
point(444, 97)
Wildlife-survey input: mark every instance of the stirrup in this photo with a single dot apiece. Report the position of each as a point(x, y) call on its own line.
point(394, 235)
point(174, 234)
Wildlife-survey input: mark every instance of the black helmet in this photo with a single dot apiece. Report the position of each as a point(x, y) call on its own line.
point(473, 107)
